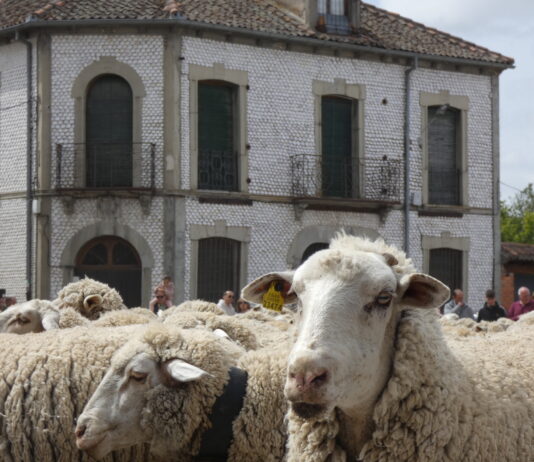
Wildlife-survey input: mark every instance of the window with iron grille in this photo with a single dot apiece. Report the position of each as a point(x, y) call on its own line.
point(444, 155)
point(219, 261)
point(114, 261)
point(333, 16)
point(339, 144)
point(109, 120)
point(217, 136)
point(446, 265)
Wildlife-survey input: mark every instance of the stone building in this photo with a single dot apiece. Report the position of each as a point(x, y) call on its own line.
point(517, 270)
point(214, 141)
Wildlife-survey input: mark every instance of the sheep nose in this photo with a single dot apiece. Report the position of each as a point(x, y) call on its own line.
point(304, 382)
point(80, 431)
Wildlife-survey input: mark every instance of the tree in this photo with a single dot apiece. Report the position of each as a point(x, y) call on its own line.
point(517, 218)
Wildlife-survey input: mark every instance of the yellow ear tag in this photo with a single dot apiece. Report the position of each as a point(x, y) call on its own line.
point(273, 299)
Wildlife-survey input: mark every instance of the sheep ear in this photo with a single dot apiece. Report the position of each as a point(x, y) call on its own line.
point(50, 321)
point(92, 300)
point(254, 291)
point(184, 372)
point(419, 290)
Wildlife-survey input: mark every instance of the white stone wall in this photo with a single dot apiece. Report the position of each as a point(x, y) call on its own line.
point(13, 171)
point(70, 55)
point(281, 123)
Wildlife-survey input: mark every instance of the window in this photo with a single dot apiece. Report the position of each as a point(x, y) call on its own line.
point(218, 267)
point(333, 16)
point(109, 129)
point(446, 265)
point(339, 155)
point(444, 160)
point(114, 261)
point(217, 140)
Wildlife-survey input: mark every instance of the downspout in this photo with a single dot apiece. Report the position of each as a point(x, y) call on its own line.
point(29, 163)
point(407, 150)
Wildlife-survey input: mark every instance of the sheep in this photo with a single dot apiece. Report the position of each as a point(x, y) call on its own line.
point(371, 376)
point(161, 387)
point(193, 305)
point(46, 380)
point(466, 326)
point(89, 297)
point(32, 316)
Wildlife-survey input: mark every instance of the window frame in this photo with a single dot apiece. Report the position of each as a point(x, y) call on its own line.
point(355, 92)
point(445, 240)
point(107, 65)
point(461, 104)
point(239, 79)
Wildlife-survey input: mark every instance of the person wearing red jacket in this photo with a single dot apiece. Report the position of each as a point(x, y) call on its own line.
point(524, 305)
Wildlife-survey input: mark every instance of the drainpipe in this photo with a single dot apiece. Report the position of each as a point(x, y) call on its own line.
point(29, 163)
point(407, 151)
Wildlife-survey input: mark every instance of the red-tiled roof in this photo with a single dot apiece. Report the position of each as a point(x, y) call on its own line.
point(515, 252)
point(379, 28)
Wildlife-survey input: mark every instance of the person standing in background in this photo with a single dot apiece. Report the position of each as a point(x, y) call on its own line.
point(158, 303)
point(225, 303)
point(457, 306)
point(167, 285)
point(491, 311)
point(522, 306)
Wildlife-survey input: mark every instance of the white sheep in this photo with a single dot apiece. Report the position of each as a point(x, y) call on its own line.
point(89, 297)
point(372, 378)
point(45, 381)
point(161, 388)
point(32, 316)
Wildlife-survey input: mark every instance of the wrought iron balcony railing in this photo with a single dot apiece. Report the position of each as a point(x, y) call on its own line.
point(217, 170)
point(105, 165)
point(374, 179)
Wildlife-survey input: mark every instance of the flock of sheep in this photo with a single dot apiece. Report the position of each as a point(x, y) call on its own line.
point(364, 371)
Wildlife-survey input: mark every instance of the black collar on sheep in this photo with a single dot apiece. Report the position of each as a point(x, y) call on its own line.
point(217, 439)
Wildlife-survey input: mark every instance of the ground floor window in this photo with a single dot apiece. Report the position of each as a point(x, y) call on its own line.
point(446, 265)
point(218, 267)
point(312, 248)
point(114, 261)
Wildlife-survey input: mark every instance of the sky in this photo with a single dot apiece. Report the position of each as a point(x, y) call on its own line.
point(506, 27)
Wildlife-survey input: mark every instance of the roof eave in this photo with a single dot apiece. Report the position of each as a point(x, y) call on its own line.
point(310, 41)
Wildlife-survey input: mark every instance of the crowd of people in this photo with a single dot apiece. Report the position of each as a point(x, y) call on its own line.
point(492, 309)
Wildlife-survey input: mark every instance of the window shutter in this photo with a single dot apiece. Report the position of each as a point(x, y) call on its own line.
point(218, 267)
point(216, 136)
point(109, 131)
point(443, 165)
point(337, 146)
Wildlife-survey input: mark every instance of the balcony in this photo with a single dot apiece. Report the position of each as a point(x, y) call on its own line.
point(374, 181)
point(110, 166)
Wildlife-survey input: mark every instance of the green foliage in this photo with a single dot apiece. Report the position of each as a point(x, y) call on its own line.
point(517, 218)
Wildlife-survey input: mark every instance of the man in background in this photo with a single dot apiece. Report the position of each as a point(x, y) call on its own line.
point(457, 306)
point(225, 303)
point(491, 311)
point(523, 305)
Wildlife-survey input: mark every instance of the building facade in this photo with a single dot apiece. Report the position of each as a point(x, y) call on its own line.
point(215, 148)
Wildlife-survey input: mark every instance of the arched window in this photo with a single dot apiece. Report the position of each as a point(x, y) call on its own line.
point(218, 267)
point(312, 248)
point(114, 261)
point(339, 146)
point(109, 131)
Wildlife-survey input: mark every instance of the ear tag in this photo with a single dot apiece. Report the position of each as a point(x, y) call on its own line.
point(273, 299)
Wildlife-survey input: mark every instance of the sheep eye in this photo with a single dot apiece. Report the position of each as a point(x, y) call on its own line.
point(138, 376)
point(384, 299)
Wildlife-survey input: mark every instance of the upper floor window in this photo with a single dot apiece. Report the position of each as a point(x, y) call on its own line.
point(217, 136)
point(109, 129)
point(339, 156)
point(218, 270)
point(333, 16)
point(444, 155)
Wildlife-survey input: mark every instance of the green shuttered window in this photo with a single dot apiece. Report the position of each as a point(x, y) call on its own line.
point(217, 134)
point(339, 159)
